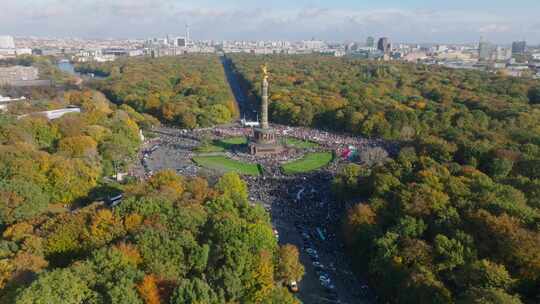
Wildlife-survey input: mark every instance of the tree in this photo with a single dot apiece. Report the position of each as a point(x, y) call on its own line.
point(198, 187)
point(500, 168)
point(487, 274)
point(488, 296)
point(534, 95)
point(57, 286)
point(345, 184)
point(231, 185)
point(219, 113)
point(123, 291)
point(194, 291)
point(373, 156)
point(78, 146)
point(148, 290)
point(165, 254)
point(289, 266)
point(168, 184)
point(360, 225)
point(71, 179)
point(262, 282)
point(424, 287)
point(281, 295)
point(104, 227)
point(450, 253)
point(21, 199)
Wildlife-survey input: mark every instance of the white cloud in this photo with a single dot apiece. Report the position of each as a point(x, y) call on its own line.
point(143, 18)
point(494, 28)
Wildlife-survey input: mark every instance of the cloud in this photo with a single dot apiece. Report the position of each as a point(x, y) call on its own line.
point(148, 18)
point(494, 28)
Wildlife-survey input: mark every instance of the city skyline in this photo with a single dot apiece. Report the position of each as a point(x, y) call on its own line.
point(415, 21)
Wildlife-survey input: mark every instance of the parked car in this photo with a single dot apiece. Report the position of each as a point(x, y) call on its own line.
point(324, 278)
point(293, 286)
point(318, 265)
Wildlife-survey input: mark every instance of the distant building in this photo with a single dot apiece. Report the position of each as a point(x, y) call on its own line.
point(503, 54)
point(23, 51)
point(485, 50)
point(7, 42)
point(313, 44)
point(8, 53)
point(10, 75)
point(180, 42)
point(187, 35)
point(384, 45)
point(46, 52)
point(370, 42)
point(115, 52)
point(519, 47)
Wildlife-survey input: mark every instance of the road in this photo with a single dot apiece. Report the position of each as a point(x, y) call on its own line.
point(247, 110)
point(298, 207)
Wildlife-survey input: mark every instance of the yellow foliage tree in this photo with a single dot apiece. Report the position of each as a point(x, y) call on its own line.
point(148, 290)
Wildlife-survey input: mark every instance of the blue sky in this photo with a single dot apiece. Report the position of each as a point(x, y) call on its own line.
point(352, 20)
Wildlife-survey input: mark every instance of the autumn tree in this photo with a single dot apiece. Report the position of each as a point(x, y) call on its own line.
point(289, 267)
point(148, 290)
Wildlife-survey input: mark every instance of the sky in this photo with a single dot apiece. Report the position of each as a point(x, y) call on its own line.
point(414, 21)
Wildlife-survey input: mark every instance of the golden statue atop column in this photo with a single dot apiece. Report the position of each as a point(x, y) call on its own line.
point(264, 69)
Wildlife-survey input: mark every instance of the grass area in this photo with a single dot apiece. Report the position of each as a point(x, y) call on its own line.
point(299, 143)
point(309, 162)
point(225, 164)
point(222, 145)
point(234, 141)
point(209, 148)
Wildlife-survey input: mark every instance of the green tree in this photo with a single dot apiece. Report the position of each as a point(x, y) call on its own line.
point(534, 95)
point(488, 296)
point(231, 185)
point(20, 200)
point(194, 291)
point(57, 286)
point(450, 253)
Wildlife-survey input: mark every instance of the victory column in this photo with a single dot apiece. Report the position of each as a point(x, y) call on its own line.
point(264, 141)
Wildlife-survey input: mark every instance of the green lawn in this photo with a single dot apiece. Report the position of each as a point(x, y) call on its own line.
point(240, 140)
point(299, 143)
point(225, 164)
point(222, 145)
point(309, 162)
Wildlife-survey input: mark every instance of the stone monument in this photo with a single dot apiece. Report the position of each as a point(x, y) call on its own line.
point(264, 140)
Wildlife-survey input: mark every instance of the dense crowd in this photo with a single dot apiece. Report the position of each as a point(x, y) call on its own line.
point(304, 205)
point(301, 202)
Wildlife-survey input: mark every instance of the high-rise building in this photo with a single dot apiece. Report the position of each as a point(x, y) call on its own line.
point(187, 34)
point(7, 42)
point(485, 50)
point(519, 47)
point(384, 45)
point(180, 41)
point(370, 42)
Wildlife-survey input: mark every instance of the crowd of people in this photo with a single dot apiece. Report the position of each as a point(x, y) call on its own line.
point(178, 147)
point(305, 214)
point(302, 202)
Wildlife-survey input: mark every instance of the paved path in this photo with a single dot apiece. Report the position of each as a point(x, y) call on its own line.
point(247, 109)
